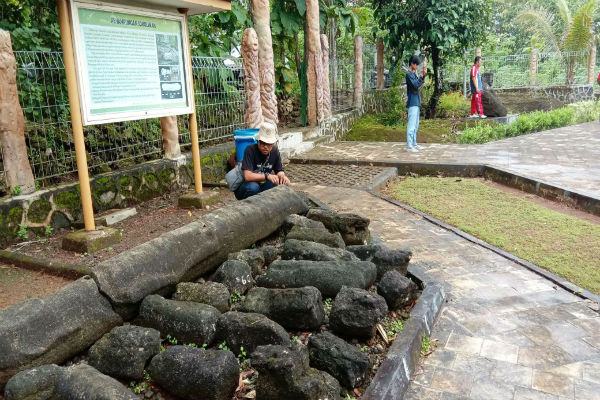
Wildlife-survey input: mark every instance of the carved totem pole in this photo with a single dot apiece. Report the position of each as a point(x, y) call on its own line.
point(254, 115)
point(12, 122)
point(358, 72)
point(314, 70)
point(170, 135)
point(325, 76)
point(261, 15)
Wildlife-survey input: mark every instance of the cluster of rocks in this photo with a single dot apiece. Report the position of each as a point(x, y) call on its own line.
point(249, 303)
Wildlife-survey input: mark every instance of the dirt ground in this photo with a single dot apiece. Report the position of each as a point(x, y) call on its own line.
point(153, 218)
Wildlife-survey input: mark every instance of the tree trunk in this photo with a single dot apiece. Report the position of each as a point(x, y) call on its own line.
point(254, 115)
point(314, 65)
point(170, 135)
point(380, 71)
point(592, 63)
point(437, 82)
point(333, 53)
point(358, 72)
point(12, 123)
point(261, 13)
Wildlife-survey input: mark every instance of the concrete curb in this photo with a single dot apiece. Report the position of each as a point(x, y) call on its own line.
point(50, 267)
point(581, 200)
point(559, 281)
point(393, 376)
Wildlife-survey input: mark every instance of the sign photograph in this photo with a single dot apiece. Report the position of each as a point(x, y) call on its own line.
point(132, 64)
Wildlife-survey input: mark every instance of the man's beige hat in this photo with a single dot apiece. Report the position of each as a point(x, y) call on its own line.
point(267, 133)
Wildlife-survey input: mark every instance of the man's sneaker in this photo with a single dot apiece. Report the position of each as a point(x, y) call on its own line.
point(482, 116)
point(474, 116)
point(416, 146)
point(412, 150)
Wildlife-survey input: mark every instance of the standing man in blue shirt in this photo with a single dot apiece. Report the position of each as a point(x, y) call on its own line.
point(414, 84)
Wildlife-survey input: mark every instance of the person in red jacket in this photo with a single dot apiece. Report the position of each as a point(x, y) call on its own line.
point(476, 87)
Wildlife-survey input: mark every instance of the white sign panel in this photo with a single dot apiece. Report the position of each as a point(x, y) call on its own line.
point(132, 64)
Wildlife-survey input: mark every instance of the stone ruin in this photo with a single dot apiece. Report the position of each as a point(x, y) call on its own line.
point(253, 303)
point(492, 105)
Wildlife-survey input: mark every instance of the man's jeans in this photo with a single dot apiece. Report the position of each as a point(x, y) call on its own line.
point(412, 126)
point(248, 189)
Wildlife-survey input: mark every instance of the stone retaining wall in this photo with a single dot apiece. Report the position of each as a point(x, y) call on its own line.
point(564, 93)
point(59, 207)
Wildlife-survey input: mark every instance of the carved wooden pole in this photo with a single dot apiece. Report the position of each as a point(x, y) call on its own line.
point(325, 76)
point(261, 15)
point(358, 71)
point(254, 115)
point(533, 67)
point(592, 63)
point(170, 135)
point(12, 123)
point(314, 65)
point(380, 72)
point(478, 51)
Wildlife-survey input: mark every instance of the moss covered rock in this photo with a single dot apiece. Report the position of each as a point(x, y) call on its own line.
point(38, 211)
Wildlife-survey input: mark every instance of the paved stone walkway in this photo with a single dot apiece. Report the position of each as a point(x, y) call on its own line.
point(568, 157)
point(505, 333)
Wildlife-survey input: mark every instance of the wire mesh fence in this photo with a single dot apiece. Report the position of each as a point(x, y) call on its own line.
point(341, 84)
point(43, 97)
point(515, 71)
point(369, 67)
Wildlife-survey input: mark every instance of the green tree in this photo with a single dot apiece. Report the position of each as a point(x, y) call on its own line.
point(560, 30)
point(441, 28)
point(33, 24)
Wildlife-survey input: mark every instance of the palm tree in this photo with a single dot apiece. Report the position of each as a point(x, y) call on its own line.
point(565, 33)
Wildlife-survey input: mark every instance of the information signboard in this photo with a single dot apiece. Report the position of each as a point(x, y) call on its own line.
point(132, 64)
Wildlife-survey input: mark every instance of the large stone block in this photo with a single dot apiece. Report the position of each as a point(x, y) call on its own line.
point(194, 249)
point(327, 276)
point(249, 330)
point(294, 309)
point(51, 330)
point(306, 250)
point(84, 382)
point(355, 312)
point(353, 228)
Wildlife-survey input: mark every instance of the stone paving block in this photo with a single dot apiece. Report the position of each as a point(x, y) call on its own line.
point(563, 331)
point(515, 337)
point(538, 334)
point(590, 325)
point(543, 357)
point(464, 344)
point(479, 368)
point(580, 310)
point(559, 385)
point(585, 390)
point(593, 341)
point(423, 378)
point(491, 390)
point(579, 350)
point(420, 393)
point(531, 394)
point(512, 374)
point(573, 370)
point(452, 381)
point(442, 358)
point(499, 351)
point(591, 372)
point(452, 396)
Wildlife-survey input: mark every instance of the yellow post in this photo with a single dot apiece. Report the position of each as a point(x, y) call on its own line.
point(193, 121)
point(74, 103)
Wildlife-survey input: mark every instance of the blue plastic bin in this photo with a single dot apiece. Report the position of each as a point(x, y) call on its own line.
point(243, 138)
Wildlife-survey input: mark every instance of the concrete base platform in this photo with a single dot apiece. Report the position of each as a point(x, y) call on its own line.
point(92, 241)
point(199, 200)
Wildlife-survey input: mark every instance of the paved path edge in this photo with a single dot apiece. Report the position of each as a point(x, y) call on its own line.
point(38, 264)
point(394, 375)
point(559, 281)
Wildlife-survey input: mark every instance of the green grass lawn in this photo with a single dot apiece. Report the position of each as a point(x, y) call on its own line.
point(562, 244)
point(370, 128)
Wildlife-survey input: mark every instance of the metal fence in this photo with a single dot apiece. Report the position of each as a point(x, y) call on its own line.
point(43, 96)
point(341, 82)
point(514, 71)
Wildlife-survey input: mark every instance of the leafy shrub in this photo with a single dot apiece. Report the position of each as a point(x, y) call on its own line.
point(533, 122)
point(396, 98)
point(453, 105)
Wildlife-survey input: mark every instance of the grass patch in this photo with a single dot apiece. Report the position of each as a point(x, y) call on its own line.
point(371, 128)
point(562, 244)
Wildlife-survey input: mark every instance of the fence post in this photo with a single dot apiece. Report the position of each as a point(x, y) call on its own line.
point(358, 71)
point(533, 67)
point(76, 122)
point(465, 74)
point(261, 16)
point(12, 123)
point(380, 71)
point(314, 67)
point(254, 115)
point(170, 136)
